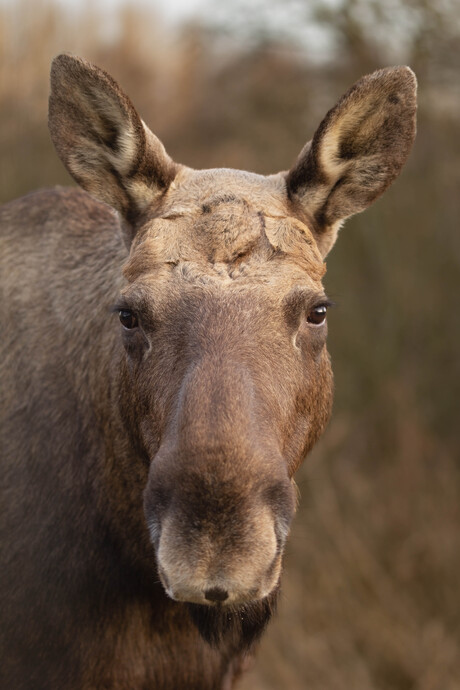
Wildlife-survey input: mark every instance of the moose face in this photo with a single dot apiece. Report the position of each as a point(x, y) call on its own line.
point(226, 349)
point(223, 316)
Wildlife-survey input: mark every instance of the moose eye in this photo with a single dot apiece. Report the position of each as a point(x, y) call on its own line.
point(317, 315)
point(127, 318)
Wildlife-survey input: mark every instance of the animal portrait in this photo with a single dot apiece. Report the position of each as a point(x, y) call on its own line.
point(164, 375)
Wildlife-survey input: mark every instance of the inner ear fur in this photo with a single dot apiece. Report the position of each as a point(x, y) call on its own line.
point(357, 151)
point(101, 139)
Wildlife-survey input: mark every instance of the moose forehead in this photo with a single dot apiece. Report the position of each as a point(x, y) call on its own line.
point(226, 225)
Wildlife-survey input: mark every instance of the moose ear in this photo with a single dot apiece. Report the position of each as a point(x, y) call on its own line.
point(101, 139)
point(356, 153)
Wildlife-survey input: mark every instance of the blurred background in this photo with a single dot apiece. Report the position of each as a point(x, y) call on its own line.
point(371, 589)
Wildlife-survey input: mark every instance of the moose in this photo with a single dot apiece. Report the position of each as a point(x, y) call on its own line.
point(164, 373)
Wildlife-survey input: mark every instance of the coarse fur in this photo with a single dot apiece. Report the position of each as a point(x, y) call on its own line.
point(148, 468)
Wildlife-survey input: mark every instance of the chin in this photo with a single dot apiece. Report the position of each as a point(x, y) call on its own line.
point(237, 627)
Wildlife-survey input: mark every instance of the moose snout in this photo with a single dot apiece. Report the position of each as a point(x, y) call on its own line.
point(220, 542)
point(231, 564)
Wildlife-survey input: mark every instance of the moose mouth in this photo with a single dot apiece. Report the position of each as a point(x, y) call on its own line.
point(236, 626)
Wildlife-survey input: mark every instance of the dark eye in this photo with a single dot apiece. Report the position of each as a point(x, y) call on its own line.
point(127, 318)
point(317, 315)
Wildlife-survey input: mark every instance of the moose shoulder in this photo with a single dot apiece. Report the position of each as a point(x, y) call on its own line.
point(164, 373)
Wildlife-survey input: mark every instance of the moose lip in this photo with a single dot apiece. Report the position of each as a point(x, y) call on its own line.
point(252, 596)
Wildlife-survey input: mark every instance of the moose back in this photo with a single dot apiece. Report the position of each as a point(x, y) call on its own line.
point(164, 374)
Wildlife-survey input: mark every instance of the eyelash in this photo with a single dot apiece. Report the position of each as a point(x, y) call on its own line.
point(317, 314)
point(125, 313)
point(128, 319)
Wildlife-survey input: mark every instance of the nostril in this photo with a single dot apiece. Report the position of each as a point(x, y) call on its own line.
point(216, 594)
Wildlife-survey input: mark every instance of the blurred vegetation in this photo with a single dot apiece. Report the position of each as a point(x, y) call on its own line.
point(371, 599)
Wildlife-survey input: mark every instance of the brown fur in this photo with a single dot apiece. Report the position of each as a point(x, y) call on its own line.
point(160, 459)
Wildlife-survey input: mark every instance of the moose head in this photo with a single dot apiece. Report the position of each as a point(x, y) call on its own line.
point(224, 379)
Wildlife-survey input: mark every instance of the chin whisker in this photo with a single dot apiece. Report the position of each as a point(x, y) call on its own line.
point(236, 627)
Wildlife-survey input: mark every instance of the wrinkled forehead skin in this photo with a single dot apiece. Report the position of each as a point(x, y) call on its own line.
point(229, 228)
